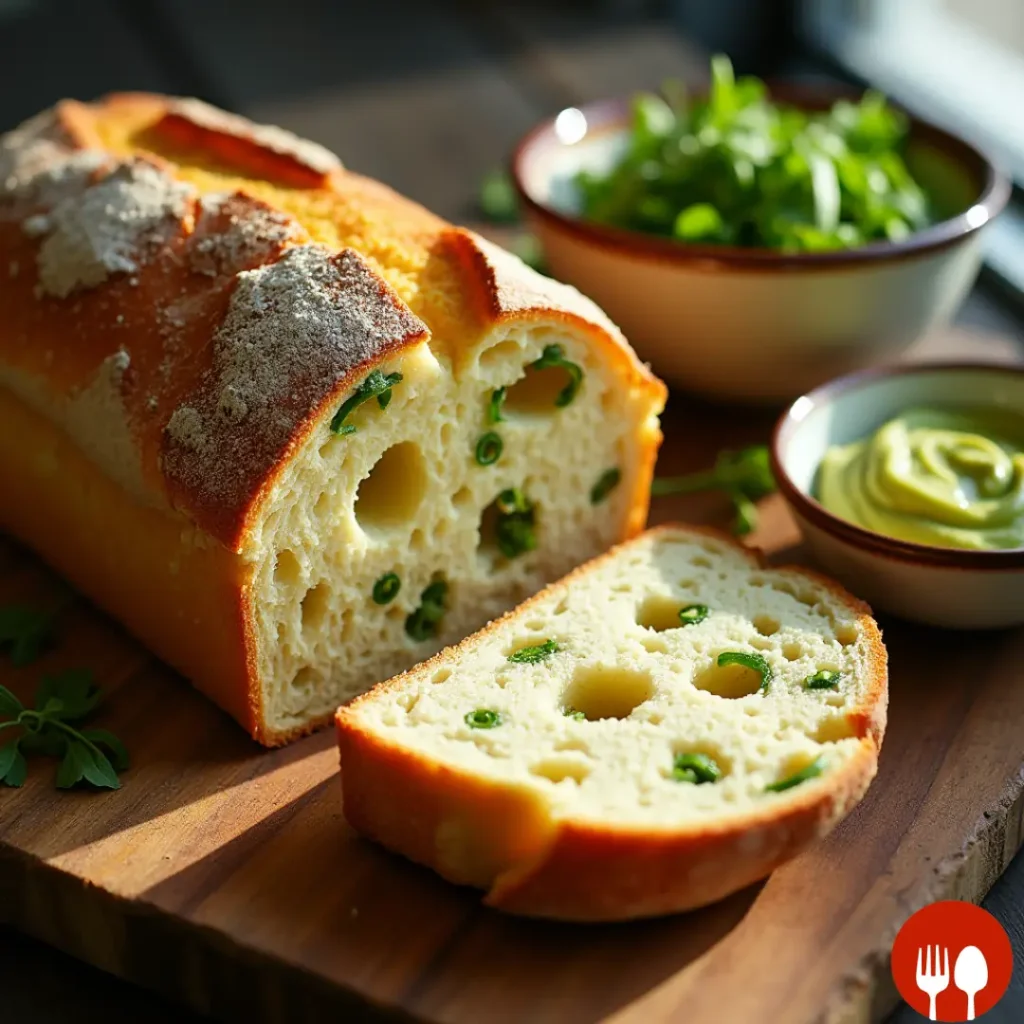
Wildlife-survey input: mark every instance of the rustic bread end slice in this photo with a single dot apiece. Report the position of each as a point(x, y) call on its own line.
point(591, 756)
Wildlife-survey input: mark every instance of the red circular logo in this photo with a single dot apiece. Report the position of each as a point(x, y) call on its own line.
point(952, 961)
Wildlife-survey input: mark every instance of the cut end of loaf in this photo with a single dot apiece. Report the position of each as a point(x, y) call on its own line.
point(413, 498)
point(596, 733)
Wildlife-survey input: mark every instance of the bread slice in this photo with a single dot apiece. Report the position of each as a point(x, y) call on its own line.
point(293, 430)
point(593, 756)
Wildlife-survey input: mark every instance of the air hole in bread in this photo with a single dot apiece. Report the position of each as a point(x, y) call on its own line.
point(562, 607)
point(462, 498)
point(488, 545)
point(654, 645)
point(832, 729)
point(654, 718)
point(622, 588)
point(730, 681)
point(659, 613)
point(802, 594)
point(835, 700)
point(305, 682)
point(701, 562)
point(537, 625)
point(561, 769)
point(418, 540)
point(394, 489)
point(322, 507)
point(607, 691)
point(442, 675)
point(766, 625)
point(498, 355)
point(792, 651)
point(846, 633)
point(760, 643)
point(688, 585)
point(572, 744)
point(535, 393)
point(407, 701)
point(315, 606)
point(287, 569)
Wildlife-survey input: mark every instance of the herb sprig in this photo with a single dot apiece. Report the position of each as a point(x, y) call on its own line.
point(423, 623)
point(554, 356)
point(748, 659)
point(695, 768)
point(515, 531)
point(94, 756)
point(738, 169)
point(377, 385)
point(494, 404)
point(606, 483)
point(744, 475)
point(535, 654)
point(488, 448)
point(825, 679)
point(812, 770)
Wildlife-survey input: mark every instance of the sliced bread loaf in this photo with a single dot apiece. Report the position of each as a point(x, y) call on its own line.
point(665, 725)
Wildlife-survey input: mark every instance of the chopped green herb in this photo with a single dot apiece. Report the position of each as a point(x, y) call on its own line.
point(738, 169)
point(606, 483)
point(91, 755)
point(515, 530)
point(423, 622)
point(489, 448)
point(494, 413)
point(693, 613)
point(696, 768)
point(815, 768)
point(744, 475)
point(554, 355)
point(826, 679)
point(533, 655)
point(483, 718)
point(748, 659)
point(386, 588)
point(571, 712)
point(376, 385)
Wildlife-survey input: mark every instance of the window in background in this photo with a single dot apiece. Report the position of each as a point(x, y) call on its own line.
point(959, 63)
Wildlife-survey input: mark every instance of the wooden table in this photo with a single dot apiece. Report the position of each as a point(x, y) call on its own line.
point(425, 95)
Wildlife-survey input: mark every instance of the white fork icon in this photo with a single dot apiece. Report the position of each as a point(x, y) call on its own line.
point(932, 979)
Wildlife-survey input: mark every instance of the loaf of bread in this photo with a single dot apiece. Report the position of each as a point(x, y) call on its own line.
point(664, 726)
point(293, 430)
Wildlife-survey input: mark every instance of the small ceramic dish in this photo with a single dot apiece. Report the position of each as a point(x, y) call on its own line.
point(758, 324)
point(948, 587)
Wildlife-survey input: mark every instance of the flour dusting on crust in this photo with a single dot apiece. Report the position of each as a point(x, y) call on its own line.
point(294, 330)
point(237, 232)
point(107, 228)
point(39, 166)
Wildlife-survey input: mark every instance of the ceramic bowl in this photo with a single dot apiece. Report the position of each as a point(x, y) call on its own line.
point(756, 324)
point(947, 587)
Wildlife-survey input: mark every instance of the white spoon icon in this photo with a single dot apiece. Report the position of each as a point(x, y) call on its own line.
point(970, 975)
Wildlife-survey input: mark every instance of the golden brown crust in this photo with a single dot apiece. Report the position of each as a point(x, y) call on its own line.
point(134, 323)
point(167, 310)
point(582, 872)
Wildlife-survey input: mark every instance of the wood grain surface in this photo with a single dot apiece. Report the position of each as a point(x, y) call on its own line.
point(226, 877)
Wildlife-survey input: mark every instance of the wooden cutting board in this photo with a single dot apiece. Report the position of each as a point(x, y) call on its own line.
point(225, 876)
